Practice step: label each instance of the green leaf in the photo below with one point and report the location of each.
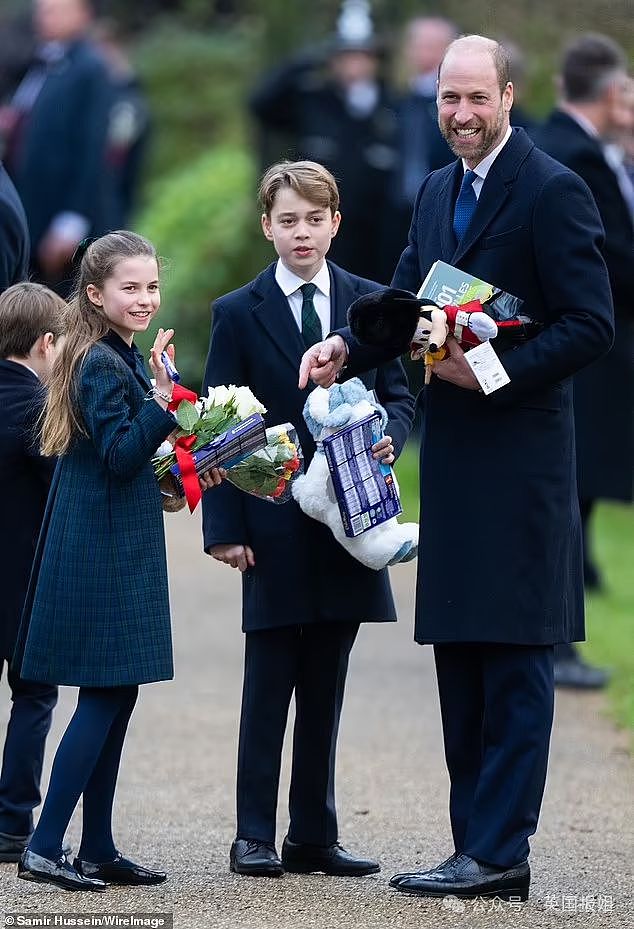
(187, 416)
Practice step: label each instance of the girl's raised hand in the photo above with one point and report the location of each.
(162, 343)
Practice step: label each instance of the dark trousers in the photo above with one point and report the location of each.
(496, 704)
(28, 726)
(312, 662)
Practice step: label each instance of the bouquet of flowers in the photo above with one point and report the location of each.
(269, 472)
(225, 429)
(213, 431)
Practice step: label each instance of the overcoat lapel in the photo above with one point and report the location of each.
(343, 291)
(272, 312)
(495, 190)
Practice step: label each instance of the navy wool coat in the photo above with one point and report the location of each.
(25, 476)
(14, 235)
(97, 611)
(604, 391)
(301, 573)
(500, 554)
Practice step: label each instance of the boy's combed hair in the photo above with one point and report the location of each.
(27, 312)
(309, 179)
(86, 324)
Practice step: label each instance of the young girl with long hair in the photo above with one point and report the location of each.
(97, 612)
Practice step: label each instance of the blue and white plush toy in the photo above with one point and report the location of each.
(325, 412)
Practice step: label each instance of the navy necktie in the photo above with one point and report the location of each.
(311, 326)
(465, 204)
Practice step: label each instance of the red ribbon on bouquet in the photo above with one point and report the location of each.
(179, 394)
(189, 477)
(182, 450)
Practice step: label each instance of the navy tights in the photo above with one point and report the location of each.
(87, 762)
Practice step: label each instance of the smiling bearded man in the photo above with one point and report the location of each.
(507, 213)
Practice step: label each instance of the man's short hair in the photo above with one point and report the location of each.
(28, 311)
(309, 179)
(590, 63)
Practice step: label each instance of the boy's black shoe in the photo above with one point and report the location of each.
(331, 859)
(462, 876)
(119, 871)
(12, 846)
(255, 858)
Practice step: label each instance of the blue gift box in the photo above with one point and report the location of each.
(227, 449)
(365, 489)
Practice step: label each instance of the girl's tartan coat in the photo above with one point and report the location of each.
(97, 610)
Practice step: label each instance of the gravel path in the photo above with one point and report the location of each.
(175, 804)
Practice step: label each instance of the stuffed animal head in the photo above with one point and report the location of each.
(387, 318)
(328, 410)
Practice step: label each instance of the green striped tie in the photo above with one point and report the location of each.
(311, 326)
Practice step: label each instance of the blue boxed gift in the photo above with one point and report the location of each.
(365, 489)
(227, 449)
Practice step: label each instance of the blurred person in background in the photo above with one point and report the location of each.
(128, 125)
(332, 107)
(422, 147)
(592, 114)
(14, 235)
(56, 138)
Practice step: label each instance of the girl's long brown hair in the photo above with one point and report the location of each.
(86, 324)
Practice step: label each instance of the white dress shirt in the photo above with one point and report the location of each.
(289, 283)
(482, 169)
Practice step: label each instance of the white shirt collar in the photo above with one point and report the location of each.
(582, 121)
(289, 282)
(482, 169)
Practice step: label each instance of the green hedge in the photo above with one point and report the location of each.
(204, 222)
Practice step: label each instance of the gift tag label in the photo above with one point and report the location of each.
(487, 367)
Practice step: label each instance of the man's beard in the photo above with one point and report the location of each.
(488, 138)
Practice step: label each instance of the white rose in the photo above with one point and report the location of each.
(222, 395)
(247, 403)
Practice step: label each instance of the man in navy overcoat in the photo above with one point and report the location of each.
(57, 147)
(594, 79)
(499, 569)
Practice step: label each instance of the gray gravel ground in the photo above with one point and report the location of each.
(175, 802)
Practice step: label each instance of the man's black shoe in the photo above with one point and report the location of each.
(255, 858)
(60, 872)
(331, 859)
(465, 877)
(397, 878)
(119, 871)
(576, 674)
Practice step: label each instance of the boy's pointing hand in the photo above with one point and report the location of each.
(322, 362)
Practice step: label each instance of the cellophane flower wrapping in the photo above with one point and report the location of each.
(203, 422)
(269, 472)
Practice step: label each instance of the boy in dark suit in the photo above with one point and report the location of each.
(293, 642)
(31, 323)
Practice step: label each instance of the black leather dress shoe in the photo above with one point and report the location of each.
(576, 674)
(331, 859)
(60, 872)
(12, 846)
(255, 858)
(397, 878)
(465, 877)
(119, 871)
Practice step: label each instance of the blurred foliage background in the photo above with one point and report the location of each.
(198, 59)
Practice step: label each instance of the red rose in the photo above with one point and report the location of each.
(293, 464)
